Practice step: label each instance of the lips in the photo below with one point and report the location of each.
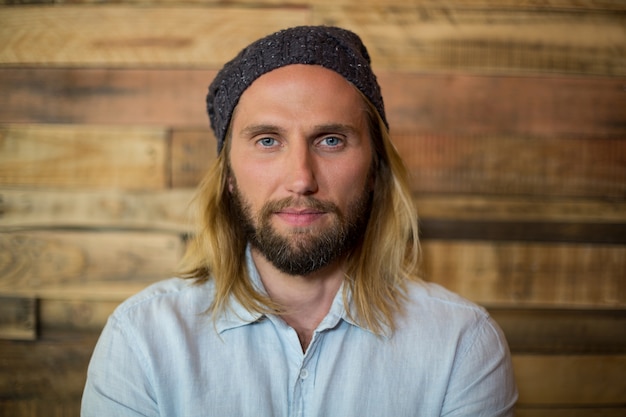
(299, 217)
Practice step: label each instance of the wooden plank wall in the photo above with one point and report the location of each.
(511, 116)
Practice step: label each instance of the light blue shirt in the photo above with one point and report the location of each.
(160, 354)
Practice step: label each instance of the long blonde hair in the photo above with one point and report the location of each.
(377, 270)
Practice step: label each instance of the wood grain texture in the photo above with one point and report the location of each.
(617, 411)
(532, 5)
(529, 274)
(462, 104)
(537, 331)
(515, 166)
(121, 35)
(413, 38)
(161, 210)
(478, 105)
(563, 331)
(54, 369)
(410, 38)
(33, 261)
(83, 156)
(193, 153)
(105, 96)
(18, 318)
(575, 380)
(442, 216)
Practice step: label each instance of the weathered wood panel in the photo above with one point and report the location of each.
(556, 411)
(563, 331)
(121, 35)
(527, 330)
(413, 38)
(193, 153)
(567, 5)
(523, 209)
(163, 210)
(477, 105)
(54, 369)
(105, 96)
(442, 216)
(91, 265)
(83, 156)
(18, 318)
(575, 380)
(452, 104)
(400, 37)
(529, 274)
(563, 232)
(515, 166)
(34, 261)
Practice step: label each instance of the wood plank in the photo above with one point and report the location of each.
(127, 36)
(477, 105)
(163, 210)
(529, 274)
(18, 318)
(568, 5)
(76, 315)
(42, 408)
(617, 411)
(401, 37)
(528, 330)
(493, 40)
(563, 331)
(568, 381)
(515, 165)
(36, 260)
(505, 231)
(543, 380)
(105, 96)
(83, 156)
(193, 153)
(457, 217)
(478, 207)
(450, 105)
(53, 368)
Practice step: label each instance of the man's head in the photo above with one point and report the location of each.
(300, 167)
(305, 163)
(331, 47)
(303, 204)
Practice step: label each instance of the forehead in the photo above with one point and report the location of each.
(301, 92)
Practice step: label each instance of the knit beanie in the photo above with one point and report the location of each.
(334, 48)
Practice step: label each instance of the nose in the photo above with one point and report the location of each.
(300, 174)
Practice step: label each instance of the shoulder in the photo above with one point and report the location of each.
(160, 298)
(433, 307)
(434, 297)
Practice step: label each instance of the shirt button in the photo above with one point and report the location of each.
(304, 374)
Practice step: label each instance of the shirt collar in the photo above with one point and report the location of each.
(237, 315)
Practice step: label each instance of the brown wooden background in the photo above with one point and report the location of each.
(511, 116)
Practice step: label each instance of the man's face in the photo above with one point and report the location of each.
(300, 162)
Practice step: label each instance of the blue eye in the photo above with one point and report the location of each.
(331, 141)
(266, 142)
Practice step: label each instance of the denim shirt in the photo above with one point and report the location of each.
(160, 354)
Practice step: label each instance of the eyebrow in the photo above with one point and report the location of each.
(254, 130)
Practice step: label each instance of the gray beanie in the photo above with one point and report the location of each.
(331, 47)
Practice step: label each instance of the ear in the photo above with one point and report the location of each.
(229, 183)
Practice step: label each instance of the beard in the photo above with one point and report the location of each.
(303, 250)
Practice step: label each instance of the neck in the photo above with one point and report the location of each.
(306, 299)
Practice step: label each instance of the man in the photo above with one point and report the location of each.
(302, 296)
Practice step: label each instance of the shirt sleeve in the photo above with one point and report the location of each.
(118, 382)
(482, 383)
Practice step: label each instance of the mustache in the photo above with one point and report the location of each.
(300, 202)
